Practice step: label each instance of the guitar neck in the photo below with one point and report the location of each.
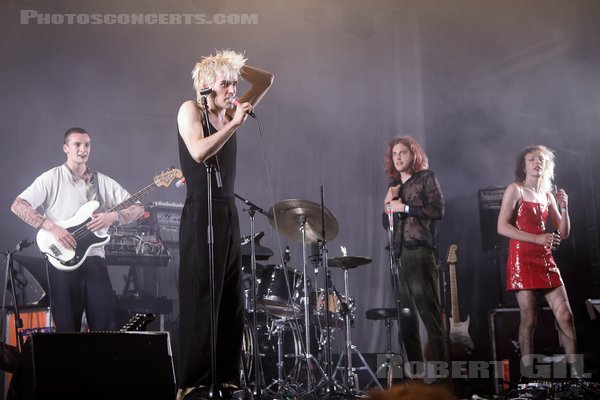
(453, 292)
(134, 198)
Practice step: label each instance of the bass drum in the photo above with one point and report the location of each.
(269, 332)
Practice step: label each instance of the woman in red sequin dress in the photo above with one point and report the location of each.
(528, 204)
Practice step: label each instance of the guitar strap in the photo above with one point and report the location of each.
(97, 190)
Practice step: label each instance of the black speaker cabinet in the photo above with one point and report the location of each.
(110, 365)
(504, 335)
(490, 200)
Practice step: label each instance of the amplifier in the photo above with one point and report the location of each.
(490, 200)
(504, 336)
(98, 365)
(163, 219)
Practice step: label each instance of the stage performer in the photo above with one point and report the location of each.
(415, 198)
(531, 271)
(216, 77)
(60, 192)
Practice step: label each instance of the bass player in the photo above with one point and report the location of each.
(59, 193)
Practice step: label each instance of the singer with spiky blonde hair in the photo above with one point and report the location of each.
(207, 129)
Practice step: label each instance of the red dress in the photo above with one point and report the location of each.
(530, 265)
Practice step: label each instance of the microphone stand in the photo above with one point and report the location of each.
(9, 270)
(212, 165)
(395, 270)
(255, 351)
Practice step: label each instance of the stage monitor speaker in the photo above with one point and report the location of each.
(108, 365)
(490, 200)
(504, 337)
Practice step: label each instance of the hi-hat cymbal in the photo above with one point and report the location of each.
(286, 216)
(348, 262)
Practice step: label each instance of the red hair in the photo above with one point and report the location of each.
(420, 161)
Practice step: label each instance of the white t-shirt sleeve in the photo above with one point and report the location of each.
(38, 192)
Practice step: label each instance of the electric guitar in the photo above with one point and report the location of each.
(459, 331)
(138, 322)
(67, 259)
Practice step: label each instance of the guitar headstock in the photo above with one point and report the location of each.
(167, 177)
(451, 259)
(138, 322)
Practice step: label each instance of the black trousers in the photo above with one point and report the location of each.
(420, 293)
(194, 293)
(88, 288)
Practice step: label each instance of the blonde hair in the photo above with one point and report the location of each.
(227, 61)
(547, 174)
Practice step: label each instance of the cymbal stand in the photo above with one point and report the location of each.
(309, 358)
(278, 331)
(330, 384)
(311, 362)
(258, 377)
(351, 377)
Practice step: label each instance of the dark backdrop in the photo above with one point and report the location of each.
(473, 81)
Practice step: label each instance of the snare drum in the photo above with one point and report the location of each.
(280, 292)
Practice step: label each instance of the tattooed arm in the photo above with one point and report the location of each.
(24, 211)
(27, 213)
(121, 217)
(130, 213)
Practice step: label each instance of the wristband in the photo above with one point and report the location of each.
(563, 209)
(406, 208)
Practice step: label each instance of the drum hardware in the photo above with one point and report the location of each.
(280, 350)
(300, 220)
(388, 315)
(331, 303)
(251, 210)
(262, 253)
(351, 378)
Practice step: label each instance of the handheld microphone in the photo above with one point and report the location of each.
(390, 213)
(180, 183)
(235, 103)
(555, 246)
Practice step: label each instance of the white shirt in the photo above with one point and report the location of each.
(59, 194)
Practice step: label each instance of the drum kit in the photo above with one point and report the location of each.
(290, 320)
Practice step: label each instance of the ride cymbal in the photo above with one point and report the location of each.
(286, 217)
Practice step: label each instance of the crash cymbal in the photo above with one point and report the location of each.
(285, 216)
(348, 261)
